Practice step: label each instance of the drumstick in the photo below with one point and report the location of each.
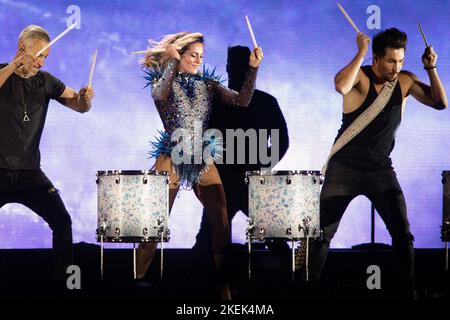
(62, 34)
(348, 18)
(140, 52)
(251, 32)
(423, 35)
(91, 73)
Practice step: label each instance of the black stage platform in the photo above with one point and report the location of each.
(187, 276)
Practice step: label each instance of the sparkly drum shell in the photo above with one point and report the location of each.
(132, 202)
(280, 202)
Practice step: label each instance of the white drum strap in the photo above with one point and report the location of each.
(363, 120)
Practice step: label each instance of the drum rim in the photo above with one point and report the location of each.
(131, 239)
(283, 173)
(131, 173)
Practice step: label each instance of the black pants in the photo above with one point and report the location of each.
(342, 184)
(34, 190)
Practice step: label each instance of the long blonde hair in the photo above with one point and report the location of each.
(156, 56)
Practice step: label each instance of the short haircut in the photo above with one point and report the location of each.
(389, 38)
(238, 57)
(34, 32)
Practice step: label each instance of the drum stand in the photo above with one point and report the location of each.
(134, 261)
(248, 233)
(101, 232)
(249, 264)
(161, 233)
(161, 267)
(101, 257)
(293, 261)
(302, 242)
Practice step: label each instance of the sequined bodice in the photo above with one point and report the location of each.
(184, 100)
(188, 102)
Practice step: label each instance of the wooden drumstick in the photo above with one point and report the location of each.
(423, 35)
(251, 32)
(62, 34)
(348, 18)
(91, 73)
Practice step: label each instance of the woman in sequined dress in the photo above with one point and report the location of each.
(183, 98)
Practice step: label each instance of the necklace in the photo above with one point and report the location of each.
(22, 75)
(25, 118)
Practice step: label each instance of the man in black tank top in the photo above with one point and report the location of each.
(25, 93)
(363, 165)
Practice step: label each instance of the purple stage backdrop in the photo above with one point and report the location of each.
(305, 44)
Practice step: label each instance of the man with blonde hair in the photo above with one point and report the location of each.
(25, 93)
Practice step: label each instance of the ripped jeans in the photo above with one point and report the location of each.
(34, 190)
(342, 184)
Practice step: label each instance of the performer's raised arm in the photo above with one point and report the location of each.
(21, 59)
(161, 89)
(434, 95)
(243, 97)
(349, 76)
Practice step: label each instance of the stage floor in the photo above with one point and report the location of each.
(188, 277)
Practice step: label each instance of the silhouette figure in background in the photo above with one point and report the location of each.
(263, 112)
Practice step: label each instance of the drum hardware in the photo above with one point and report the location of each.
(102, 226)
(262, 233)
(117, 235)
(160, 228)
(145, 179)
(145, 234)
(101, 230)
(306, 226)
(249, 235)
(289, 234)
(134, 261)
(250, 228)
(292, 259)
